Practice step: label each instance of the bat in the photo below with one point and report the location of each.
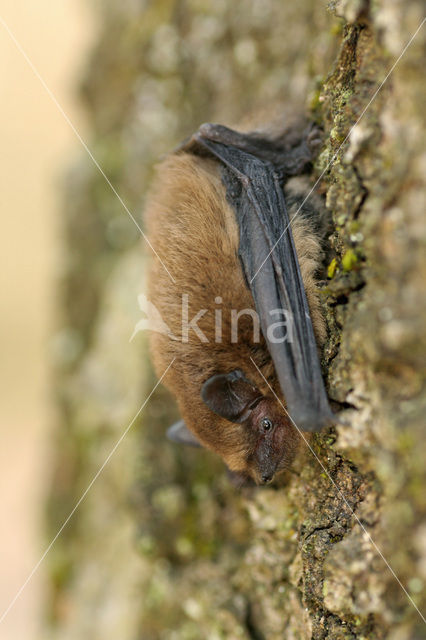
(226, 214)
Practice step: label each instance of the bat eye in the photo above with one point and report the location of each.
(266, 425)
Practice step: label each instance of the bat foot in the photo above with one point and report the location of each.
(314, 140)
(298, 160)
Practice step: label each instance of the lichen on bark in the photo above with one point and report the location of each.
(163, 546)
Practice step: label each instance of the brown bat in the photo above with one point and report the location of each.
(243, 307)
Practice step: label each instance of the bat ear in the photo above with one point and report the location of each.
(240, 480)
(231, 395)
(180, 433)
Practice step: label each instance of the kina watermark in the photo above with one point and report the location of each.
(223, 324)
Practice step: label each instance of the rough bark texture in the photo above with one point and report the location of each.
(162, 547)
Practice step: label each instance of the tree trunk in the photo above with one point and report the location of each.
(163, 547)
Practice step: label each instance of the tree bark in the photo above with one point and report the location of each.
(163, 547)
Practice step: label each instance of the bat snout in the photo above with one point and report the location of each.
(267, 464)
(267, 477)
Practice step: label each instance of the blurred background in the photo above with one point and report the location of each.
(37, 143)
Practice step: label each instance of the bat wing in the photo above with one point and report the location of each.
(272, 271)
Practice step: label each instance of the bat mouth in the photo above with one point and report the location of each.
(263, 479)
(267, 473)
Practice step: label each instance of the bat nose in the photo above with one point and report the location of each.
(267, 477)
